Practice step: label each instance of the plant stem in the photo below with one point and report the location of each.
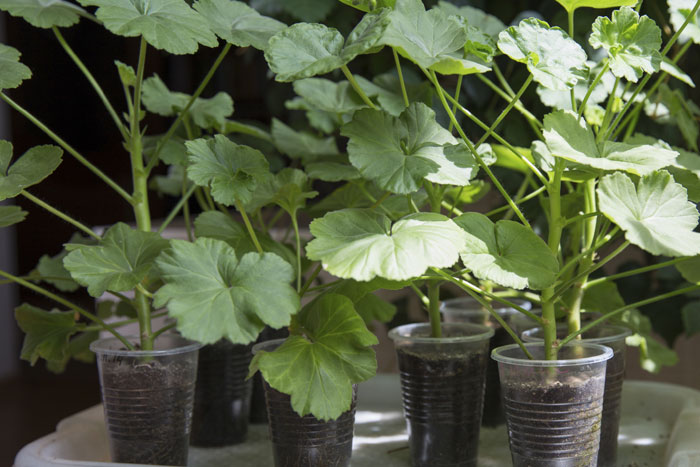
(67, 147)
(310, 280)
(60, 215)
(518, 106)
(249, 226)
(401, 81)
(176, 209)
(91, 79)
(505, 112)
(593, 85)
(357, 88)
(68, 304)
(434, 308)
(295, 224)
(423, 298)
(575, 260)
(634, 272)
(164, 329)
(525, 198)
(119, 324)
(456, 98)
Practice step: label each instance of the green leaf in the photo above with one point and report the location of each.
(602, 298)
(507, 253)
(289, 189)
(398, 153)
(432, 39)
(217, 225)
(171, 183)
(12, 72)
(237, 23)
(489, 24)
(214, 294)
(672, 69)
(554, 59)
(369, 5)
(562, 99)
(691, 317)
(690, 269)
(127, 75)
(369, 306)
(10, 215)
(121, 260)
(679, 10)
(652, 354)
(683, 112)
(231, 170)
(386, 88)
(329, 96)
(205, 112)
(655, 214)
(572, 5)
(52, 270)
(319, 368)
(31, 168)
(330, 171)
(78, 349)
(301, 145)
(361, 244)
(631, 42)
(43, 13)
(573, 140)
(169, 25)
(47, 333)
(366, 36)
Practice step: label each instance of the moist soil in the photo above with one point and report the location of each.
(443, 400)
(222, 395)
(148, 409)
(543, 434)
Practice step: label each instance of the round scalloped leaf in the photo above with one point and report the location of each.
(31, 168)
(47, 333)
(237, 23)
(329, 96)
(319, 368)
(214, 294)
(486, 23)
(655, 214)
(169, 25)
(10, 215)
(44, 13)
(572, 5)
(361, 244)
(398, 153)
(554, 59)
(679, 11)
(12, 72)
(631, 42)
(507, 253)
(366, 36)
(369, 5)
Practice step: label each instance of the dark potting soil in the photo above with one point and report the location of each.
(442, 399)
(222, 395)
(306, 441)
(148, 408)
(555, 426)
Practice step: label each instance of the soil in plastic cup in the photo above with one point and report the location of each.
(553, 407)
(147, 397)
(468, 310)
(613, 337)
(222, 395)
(442, 384)
(306, 441)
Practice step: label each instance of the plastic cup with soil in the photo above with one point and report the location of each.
(468, 310)
(442, 384)
(222, 395)
(258, 407)
(306, 441)
(148, 397)
(553, 407)
(613, 337)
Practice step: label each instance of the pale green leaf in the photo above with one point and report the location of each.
(562, 99)
(288, 189)
(632, 43)
(368, 305)
(214, 294)
(231, 170)
(169, 25)
(78, 349)
(330, 171)
(691, 317)
(684, 112)
(44, 13)
(554, 59)
(679, 10)
(690, 269)
(602, 298)
(301, 145)
(319, 368)
(31, 168)
(329, 96)
(366, 36)
(12, 72)
(475, 17)
(47, 333)
(361, 244)
(398, 153)
(572, 5)
(655, 214)
(573, 140)
(127, 75)
(507, 253)
(652, 354)
(674, 70)
(369, 5)
(237, 23)
(120, 261)
(387, 89)
(10, 215)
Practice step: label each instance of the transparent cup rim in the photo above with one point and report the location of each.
(460, 305)
(620, 333)
(606, 353)
(100, 347)
(262, 346)
(404, 333)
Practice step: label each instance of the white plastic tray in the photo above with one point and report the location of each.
(660, 427)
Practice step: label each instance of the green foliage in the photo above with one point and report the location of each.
(690, 269)
(10, 215)
(44, 14)
(301, 145)
(52, 270)
(329, 96)
(213, 293)
(169, 25)
(679, 10)
(572, 5)
(369, 5)
(47, 333)
(486, 23)
(319, 367)
(31, 168)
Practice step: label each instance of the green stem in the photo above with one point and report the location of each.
(518, 106)
(60, 215)
(634, 272)
(353, 82)
(249, 226)
(310, 280)
(505, 112)
(164, 329)
(528, 197)
(593, 85)
(66, 303)
(67, 147)
(180, 204)
(519, 194)
(434, 308)
(576, 259)
(397, 61)
(423, 298)
(91, 79)
(456, 98)
(119, 324)
(175, 125)
(295, 224)
(608, 111)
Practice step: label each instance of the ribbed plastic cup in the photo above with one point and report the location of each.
(258, 406)
(147, 397)
(553, 407)
(222, 395)
(613, 337)
(306, 441)
(468, 310)
(442, 384)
